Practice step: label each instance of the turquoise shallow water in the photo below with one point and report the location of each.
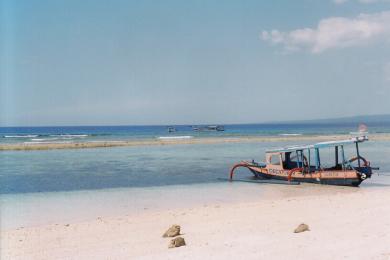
(31, 209)
(143, 166)
(59, 186)
(39, 187)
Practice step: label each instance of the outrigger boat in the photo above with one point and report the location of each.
(303, 164)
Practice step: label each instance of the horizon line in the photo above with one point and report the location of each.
(301, 121)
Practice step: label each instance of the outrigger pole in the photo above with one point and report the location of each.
(240, 164)
(357, 153)
(248, 165)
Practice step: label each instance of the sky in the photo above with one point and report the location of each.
(168, 62)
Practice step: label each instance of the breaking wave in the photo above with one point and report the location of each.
(20, 136)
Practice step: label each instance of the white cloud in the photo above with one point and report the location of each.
(334, 32)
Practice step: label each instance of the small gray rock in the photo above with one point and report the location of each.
(302, 228)
(177, 242)
(173, 231)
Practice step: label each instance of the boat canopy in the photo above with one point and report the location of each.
(358, 139)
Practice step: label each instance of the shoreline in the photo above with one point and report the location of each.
(202, 140)
(145, 198)
(342, 223)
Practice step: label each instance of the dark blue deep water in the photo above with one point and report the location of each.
(96, 133)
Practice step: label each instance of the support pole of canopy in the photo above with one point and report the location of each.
(318, 162)
(343, 156)
(357, 153)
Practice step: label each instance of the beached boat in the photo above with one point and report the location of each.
(303, 164)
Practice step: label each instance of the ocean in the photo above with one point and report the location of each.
(144, 166)
(120, 133)
(38, 177)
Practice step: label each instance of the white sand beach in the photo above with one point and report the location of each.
(345, 223)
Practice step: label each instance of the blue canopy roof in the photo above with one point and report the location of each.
(353, 140)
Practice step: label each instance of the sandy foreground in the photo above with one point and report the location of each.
(204, 140)
(343, 225)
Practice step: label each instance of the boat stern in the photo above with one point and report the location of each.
(365, 172)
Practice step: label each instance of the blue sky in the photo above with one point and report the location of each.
(189, 62)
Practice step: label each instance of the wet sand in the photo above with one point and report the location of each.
(203, 140)
(345, 223)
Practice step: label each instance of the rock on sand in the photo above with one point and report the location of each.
(302, 228)
(177, 242)
(173, 231)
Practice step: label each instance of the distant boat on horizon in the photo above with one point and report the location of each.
(171, 129)
(209, 128)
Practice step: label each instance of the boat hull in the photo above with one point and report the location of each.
(326, 181)
(350, 177)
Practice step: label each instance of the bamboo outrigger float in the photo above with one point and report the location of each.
(303, 164)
